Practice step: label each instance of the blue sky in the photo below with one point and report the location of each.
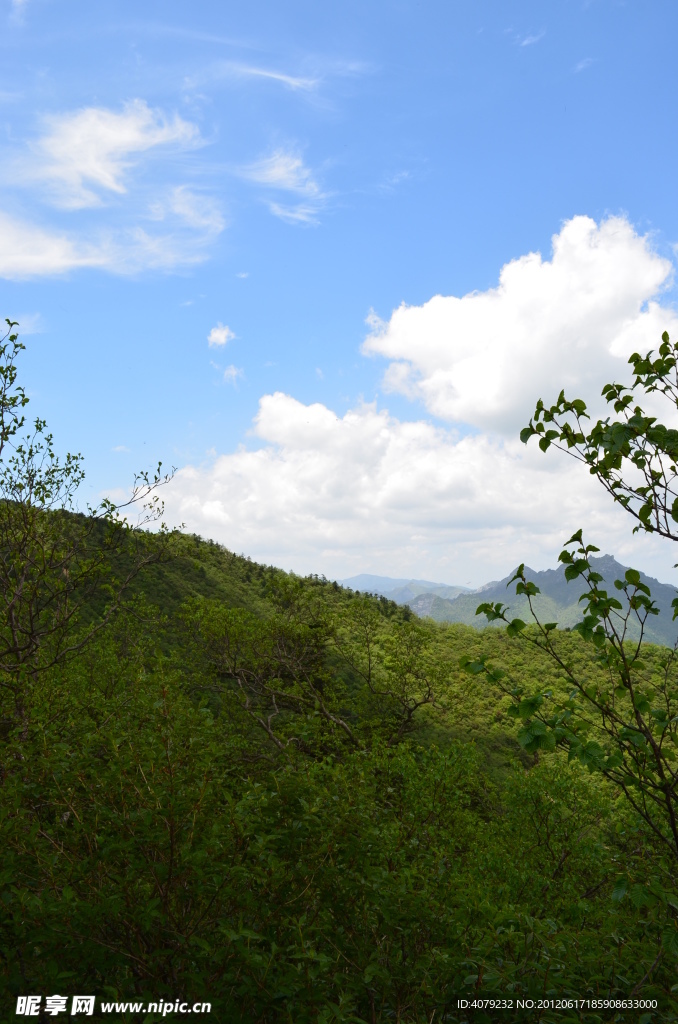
(280, 178)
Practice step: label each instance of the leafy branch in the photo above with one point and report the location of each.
(633, 456)
(620, 725)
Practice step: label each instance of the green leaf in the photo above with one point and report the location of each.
(620, 889)
(670, 940)
(529, 705)
(641, 896)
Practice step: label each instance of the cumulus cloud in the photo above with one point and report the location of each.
(369, 492)
(571, 321)
(87, 152)
(335, 494)
(220, 336)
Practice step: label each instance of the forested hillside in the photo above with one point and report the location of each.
(273, 794)
(225, 783)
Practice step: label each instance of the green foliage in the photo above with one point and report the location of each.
(621, 723)
(634, 457)
(354, 887)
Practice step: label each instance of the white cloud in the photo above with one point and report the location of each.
(583, 65)
(84, 157)
(484, 358)
(30, 323)
(220, 336)
(232, 374)
(85, 153)
(302, 213)
(366, 491)
(369, 492)
(232, 69)
(531, 40)
(285, 171)
(196, 210)
(29, 250)
(391, 181)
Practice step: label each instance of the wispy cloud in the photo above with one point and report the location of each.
(30, 323)
(87, 153)
(228, 69)
(31, 250)
(285, 171)
(300, 214)
(83, 160)
(232, 374)
(196, 210)
(391, 182)
(220, 336)
(582, 65)
(17, 10)
(28, 250)
(532, 39)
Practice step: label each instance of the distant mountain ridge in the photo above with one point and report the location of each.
(402, 591)
(558, 600)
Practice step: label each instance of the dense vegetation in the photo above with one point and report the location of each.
(303, 804)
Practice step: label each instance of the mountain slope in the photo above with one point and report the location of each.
(558, 600)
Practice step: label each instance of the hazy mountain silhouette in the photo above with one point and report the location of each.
(558, 600)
